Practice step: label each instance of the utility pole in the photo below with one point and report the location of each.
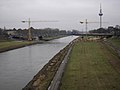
(86, 22)
(29, 24)
(100, 14)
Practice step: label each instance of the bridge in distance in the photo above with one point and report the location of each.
(93, 34)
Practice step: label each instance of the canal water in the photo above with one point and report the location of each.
(17, 67)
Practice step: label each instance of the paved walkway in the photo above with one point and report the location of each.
(57, 78)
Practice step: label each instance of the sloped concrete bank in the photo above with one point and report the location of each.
(42, 80)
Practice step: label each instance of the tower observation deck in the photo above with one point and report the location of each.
(100, 14)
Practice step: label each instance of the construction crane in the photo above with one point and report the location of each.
(86, 24)
(29, 24)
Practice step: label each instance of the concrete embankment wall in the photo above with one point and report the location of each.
(43, 78)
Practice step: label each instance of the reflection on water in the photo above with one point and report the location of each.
(17, 67)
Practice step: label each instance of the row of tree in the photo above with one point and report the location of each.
(112, 30)
(36, 33)
(3, 35)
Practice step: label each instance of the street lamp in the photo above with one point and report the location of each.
(86, 22)
(29, 30)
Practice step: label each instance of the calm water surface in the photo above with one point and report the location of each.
(17, 67)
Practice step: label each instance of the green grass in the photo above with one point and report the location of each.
(91, 67)
(6, 45)
(115, 41)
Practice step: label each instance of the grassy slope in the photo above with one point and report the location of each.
(115, 41)
(12, 44)
(91, 67)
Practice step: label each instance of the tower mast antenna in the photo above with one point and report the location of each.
(100, 14)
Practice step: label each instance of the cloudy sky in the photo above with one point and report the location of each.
(67, 12)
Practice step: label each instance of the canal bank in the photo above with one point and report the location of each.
(18, 66)
(92, 66)
(49, 76)
(113, 45)
(10, 45)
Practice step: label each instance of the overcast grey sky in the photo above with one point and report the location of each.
(68, 12)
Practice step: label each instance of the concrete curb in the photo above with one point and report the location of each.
(55, 83)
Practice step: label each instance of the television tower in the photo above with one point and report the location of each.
(100, 14)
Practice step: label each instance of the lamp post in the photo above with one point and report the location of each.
(86, 22)
(29, 31)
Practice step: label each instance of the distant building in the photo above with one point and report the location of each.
(3, 35)
(75, 32)
(111, 29)
(117, 27)
(117, 31)
(63, 32)
(11, 32)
